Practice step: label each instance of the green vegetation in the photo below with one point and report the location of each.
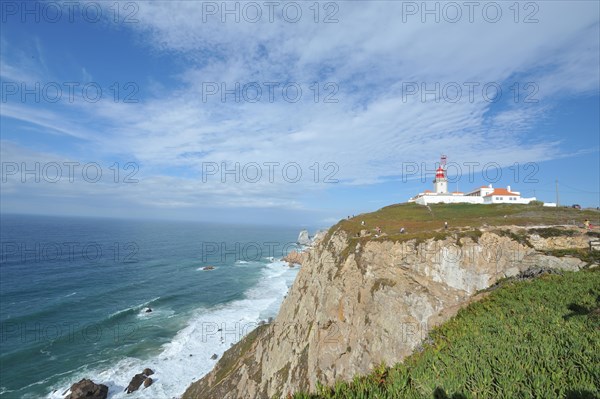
(529, 339)
(518, 236)
(548, 232)
(420, 222)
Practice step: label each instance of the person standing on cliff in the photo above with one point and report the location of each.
(446, 225)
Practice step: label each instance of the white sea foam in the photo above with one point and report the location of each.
(174, 368)
(157, 313)
(132, 308)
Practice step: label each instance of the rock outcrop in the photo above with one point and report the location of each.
(135, 383)
(303, 238)
(319, 235)
(358, 302)
(139, 379)
(87, 389)
(294, 257)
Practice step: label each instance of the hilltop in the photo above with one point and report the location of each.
(418, 219)
(365, 297)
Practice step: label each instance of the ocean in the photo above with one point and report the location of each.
(74, 295)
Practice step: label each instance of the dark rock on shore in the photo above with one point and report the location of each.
(139, 379)
(135, 383)
(87, 389)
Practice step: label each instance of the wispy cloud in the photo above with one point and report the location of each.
(374, 126)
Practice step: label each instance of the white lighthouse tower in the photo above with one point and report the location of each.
(440, 184)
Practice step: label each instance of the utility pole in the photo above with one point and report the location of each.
(557, 200)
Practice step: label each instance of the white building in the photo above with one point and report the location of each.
(482, 195)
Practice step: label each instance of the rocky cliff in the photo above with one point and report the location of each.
(360, 301)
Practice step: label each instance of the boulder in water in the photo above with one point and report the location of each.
(147, 382)
(208, 268)
(87, 389)
(214, 356)
(148, 310)
(147, 372)
(135, 383)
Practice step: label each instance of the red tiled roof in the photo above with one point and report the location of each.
(501, 191)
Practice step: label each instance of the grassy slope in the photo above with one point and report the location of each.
(531, 339)
(419, 220)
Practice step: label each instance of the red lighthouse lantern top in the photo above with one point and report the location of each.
(440, 173)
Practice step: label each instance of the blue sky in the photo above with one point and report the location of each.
(378, 83)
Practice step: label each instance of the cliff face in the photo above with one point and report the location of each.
(359, 302)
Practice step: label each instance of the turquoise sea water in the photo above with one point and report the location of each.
(74, 294)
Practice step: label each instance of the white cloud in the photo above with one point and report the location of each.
(371, 131)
